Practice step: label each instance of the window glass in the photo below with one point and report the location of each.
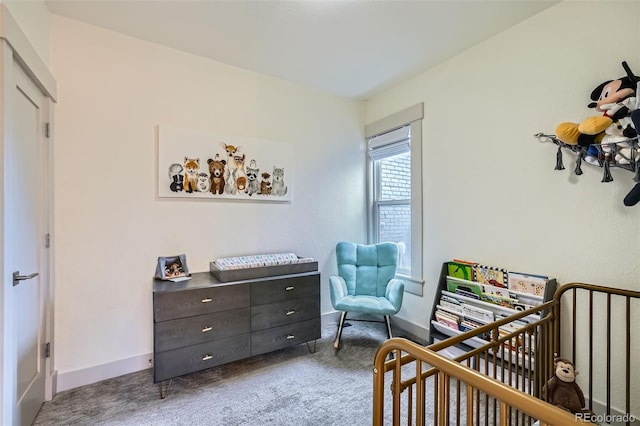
(395, 226)
(395, 177)
(390, 156)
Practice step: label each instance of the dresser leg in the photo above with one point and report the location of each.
(314, 346)
(163, 387)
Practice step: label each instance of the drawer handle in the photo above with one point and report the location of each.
(291, 336)
(207, 357)
(289, 288)
(204, 330)
(290, 312)
(207, 300)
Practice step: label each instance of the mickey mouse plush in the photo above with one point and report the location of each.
(615, 99)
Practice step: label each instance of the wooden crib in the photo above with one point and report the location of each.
(502, 381)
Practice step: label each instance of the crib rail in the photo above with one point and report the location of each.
(501, 382)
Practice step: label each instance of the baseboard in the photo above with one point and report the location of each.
(89, 375)
(412, 328)
(616, 417)
(332, 318)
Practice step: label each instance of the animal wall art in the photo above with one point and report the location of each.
(193, 164)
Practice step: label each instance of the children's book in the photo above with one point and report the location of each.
(460, 269)
(498, 291)
(499, 300)
(527, 283)
(477, 313)
(456, 311)
(490, 275)
(464, 287)
(447, 319)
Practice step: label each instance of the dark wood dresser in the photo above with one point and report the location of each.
(202, 322)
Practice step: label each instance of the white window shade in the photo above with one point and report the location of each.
(388, 144)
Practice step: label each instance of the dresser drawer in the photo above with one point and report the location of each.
(180, 304)
(188, 331)
(285, 312)
(189, 359)
(284, 336)
(263, 292)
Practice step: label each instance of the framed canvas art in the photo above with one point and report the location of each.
(196, 164)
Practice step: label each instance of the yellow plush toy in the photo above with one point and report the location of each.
(588, 132)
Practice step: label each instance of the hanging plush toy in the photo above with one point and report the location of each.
(633, 197)
(612, 134)
(614, 99)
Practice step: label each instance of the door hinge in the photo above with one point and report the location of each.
(47, 129)
(47, 350)
(47, 240)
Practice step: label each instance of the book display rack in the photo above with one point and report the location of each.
(470, 295)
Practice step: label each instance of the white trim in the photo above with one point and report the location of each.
(394, 121)
(97, 373)
(385, 130)
(7, 380)
(411, 328)
(50, 373)
(417, 207)
(50, 386)
(331, 318)
(26, 55)
(412, 285)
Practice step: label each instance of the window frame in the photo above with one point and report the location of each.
(411, 117)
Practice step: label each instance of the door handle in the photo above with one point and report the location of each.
(17, 277)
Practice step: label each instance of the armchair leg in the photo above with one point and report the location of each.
(388, 322)
(336, 342)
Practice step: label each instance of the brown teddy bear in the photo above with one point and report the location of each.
(216, 172)
(562, 390)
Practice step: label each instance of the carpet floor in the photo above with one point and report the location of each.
(287, 387)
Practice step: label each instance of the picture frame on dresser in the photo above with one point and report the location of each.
(172, 267)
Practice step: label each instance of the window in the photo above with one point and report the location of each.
(395, 193)
(390, 165)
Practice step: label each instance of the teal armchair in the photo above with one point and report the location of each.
(366, 282)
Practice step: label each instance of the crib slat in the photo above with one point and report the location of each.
(590, 349)
(504, 414)
(608, 353)
(628, 359)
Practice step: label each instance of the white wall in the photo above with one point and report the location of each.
(111, 227)
(491, 193)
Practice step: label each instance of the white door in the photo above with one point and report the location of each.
(25, 252)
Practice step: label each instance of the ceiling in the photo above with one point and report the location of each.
(351, 48)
